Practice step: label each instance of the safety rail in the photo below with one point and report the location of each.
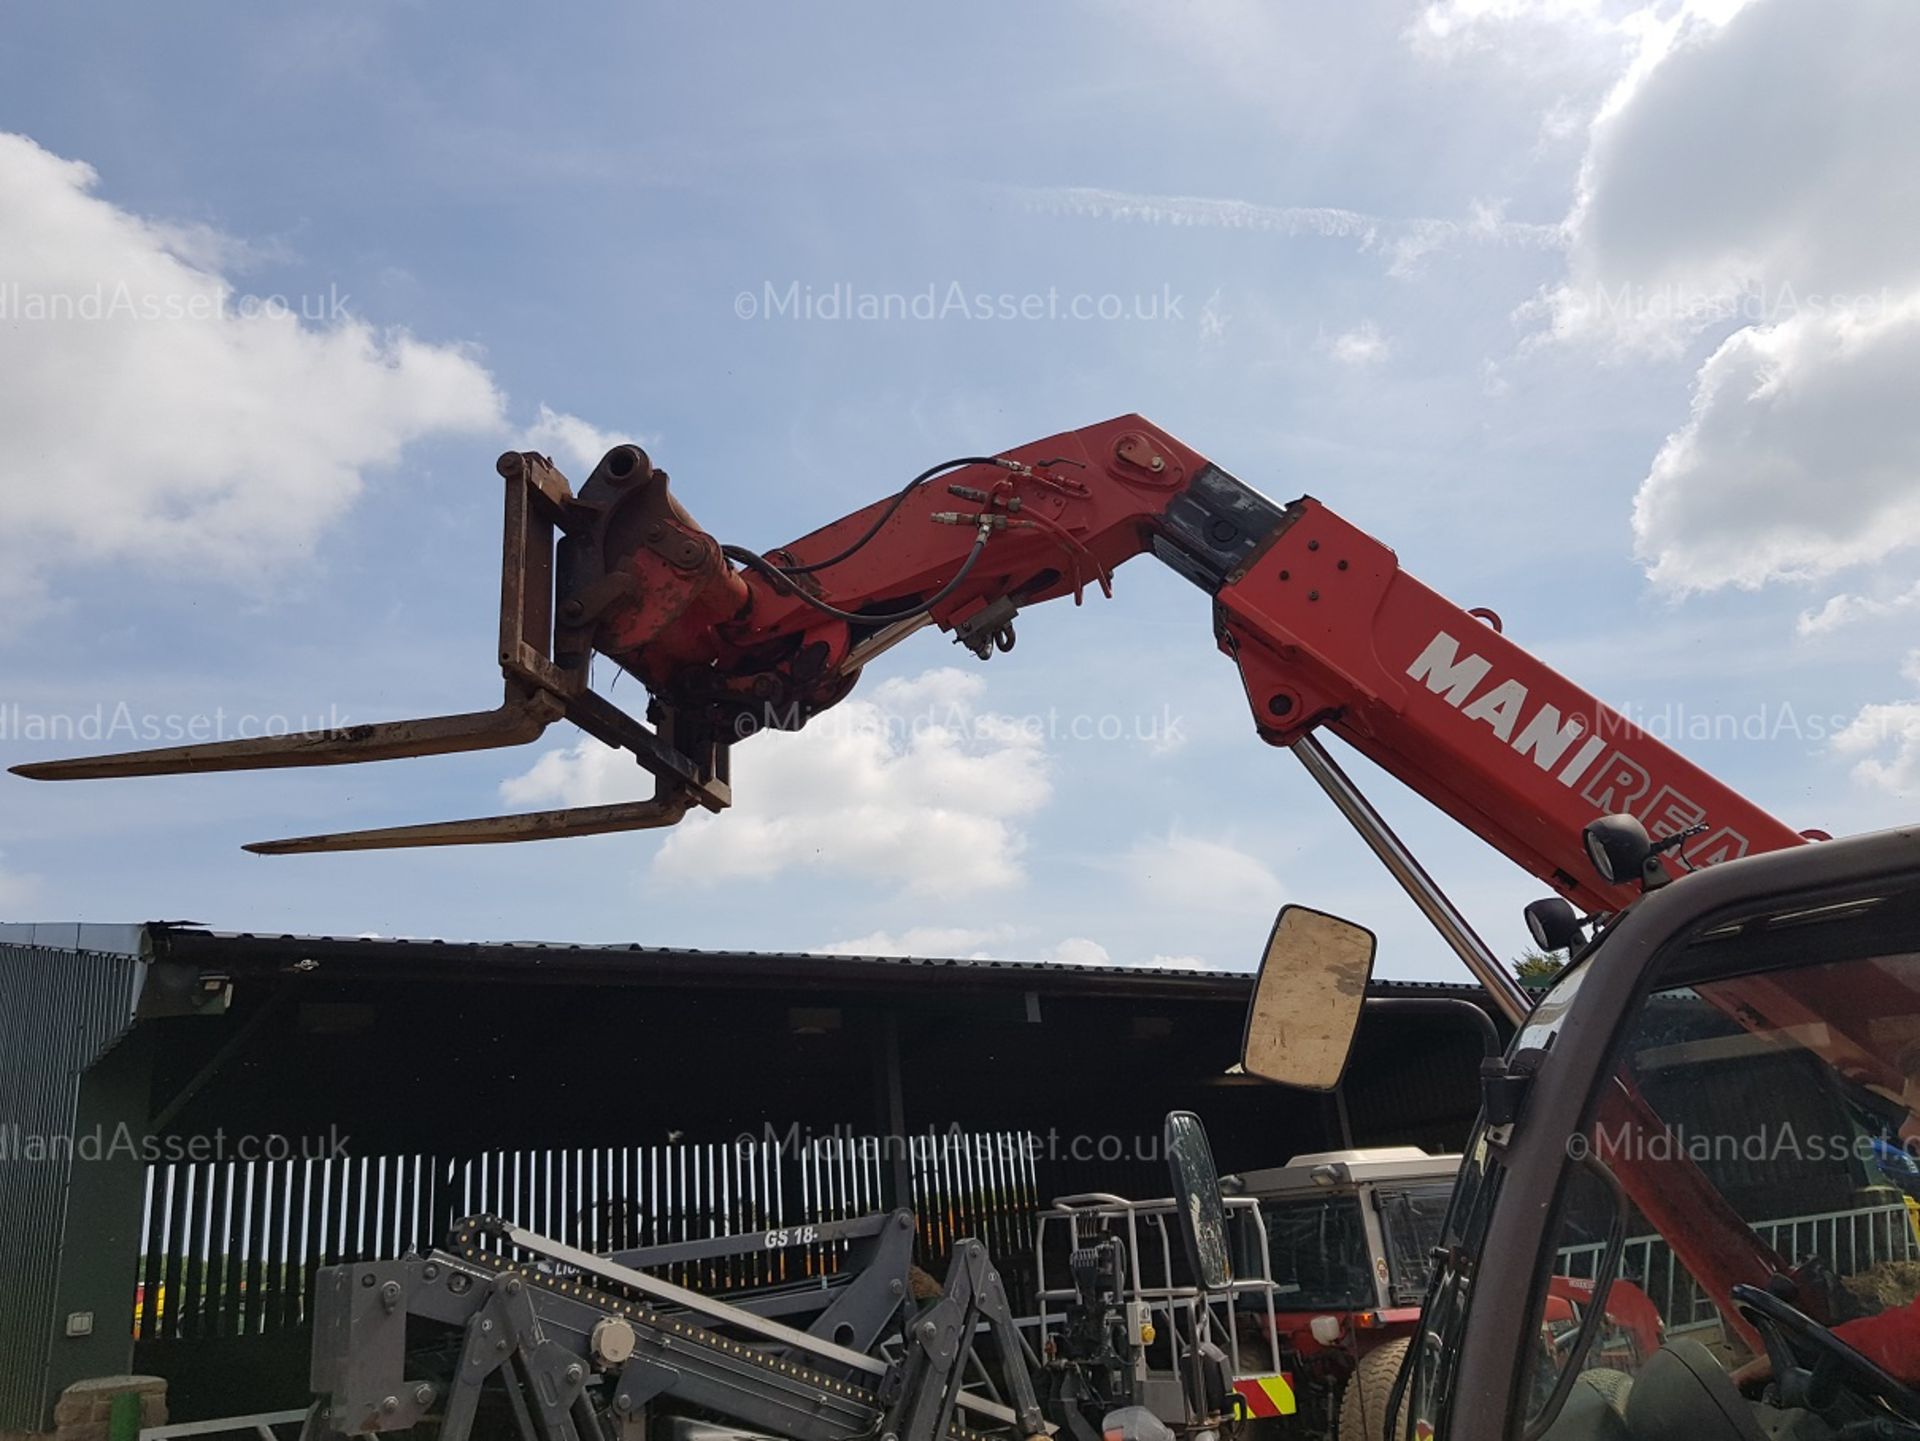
(1089, 1215)
(1849, 1242)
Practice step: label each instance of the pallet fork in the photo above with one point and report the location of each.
(546, 651)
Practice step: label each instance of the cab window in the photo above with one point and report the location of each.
(1758, 1132)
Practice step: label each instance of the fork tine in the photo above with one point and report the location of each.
(491, 830)
(513, 723)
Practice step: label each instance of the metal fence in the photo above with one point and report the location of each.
(1849, 1242)
(230, 1248)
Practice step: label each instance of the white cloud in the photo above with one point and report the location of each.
(585, 773)
(1180, 872)
(1801, 457)
(155, 416)
(1756, 174)
(1563, 57)
(1201, 213)
(1362, 346)
(573, 442)
(1745, 164)
(997, 943)
(1886, 737)
(1469, 22)
(1845, 610)
(17, 891)
(912, 783)
(1182, 963)
(1405, 242)
(1079, 951)
(940, 941)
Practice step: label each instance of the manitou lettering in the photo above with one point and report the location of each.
(1440, 666)
(1500, 708)
(1669, 811)
(1545, 739)
(1619, 783)
(1582, 758)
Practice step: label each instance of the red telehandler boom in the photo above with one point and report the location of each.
(1326, 629)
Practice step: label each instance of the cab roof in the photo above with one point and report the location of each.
(1322, 1170)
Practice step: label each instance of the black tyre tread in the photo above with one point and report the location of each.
(1363, 1410)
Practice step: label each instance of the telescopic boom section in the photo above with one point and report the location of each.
(1325, 627)
(963, 549)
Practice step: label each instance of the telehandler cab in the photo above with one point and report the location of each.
(1749, 1038)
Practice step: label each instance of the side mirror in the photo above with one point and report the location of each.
(1307, 1000)
(1196, 1199)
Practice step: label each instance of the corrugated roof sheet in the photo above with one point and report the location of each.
(640, 963)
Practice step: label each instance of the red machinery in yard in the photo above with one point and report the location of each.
(1349, 1239)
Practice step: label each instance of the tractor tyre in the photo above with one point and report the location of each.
(1363, 1410)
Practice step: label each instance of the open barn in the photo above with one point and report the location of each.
(199, 1119)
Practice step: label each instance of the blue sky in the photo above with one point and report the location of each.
(1600, 315)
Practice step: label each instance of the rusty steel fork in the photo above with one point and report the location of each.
(541, 688)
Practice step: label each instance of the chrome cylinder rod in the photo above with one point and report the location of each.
(1406, 869)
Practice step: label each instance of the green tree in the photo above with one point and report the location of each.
(1536, 968)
